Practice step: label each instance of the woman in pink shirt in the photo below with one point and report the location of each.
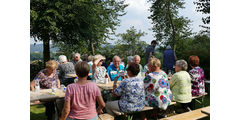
(81, 97)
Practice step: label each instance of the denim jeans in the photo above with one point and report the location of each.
(94, 118)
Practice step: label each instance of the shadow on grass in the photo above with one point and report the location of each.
(37, 112)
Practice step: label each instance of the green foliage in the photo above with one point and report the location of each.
(71, 22)
(167, 24)
(35, 67)
(203, 6)
(130, 44)
(198, 45)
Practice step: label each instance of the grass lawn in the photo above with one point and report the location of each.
(37, 112)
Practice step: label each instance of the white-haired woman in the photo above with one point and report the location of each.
(99, 72)
(129, 60)
(180, 85)
(65, 68)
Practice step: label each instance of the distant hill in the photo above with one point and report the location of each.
(39, 48)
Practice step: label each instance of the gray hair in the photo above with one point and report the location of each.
(76, 54)
(115, 57)
(183, 64)
(168, 47)
(62, 58)
(135, 56)
(90, 58)
(130, 58)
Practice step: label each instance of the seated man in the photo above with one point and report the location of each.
(131, 91)
(114, 69)
(76, 58)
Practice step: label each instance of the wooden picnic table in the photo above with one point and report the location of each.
(46, 95)
(206, 110)
(108, 86)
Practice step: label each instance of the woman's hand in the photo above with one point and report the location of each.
(99, 111)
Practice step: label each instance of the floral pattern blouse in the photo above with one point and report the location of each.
(46, 81)
(132, 94)
(198, 85)
(99, 74)
(157, 90)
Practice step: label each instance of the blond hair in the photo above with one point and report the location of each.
(154, 62)
(51, 64)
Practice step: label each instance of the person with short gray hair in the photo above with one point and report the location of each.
(129, 60)
(65, 69)
(76, 58)
(183, 64)
(115, 68)
(180, 85)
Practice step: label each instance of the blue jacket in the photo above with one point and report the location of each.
(168, 59)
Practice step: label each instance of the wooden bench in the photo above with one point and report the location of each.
(192, 115)
(105, 117)
(36, 103)
(172, 103)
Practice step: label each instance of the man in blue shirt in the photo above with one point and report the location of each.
(150, 49)
(169, 58)
(113, 70)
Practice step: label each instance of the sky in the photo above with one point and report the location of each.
(137, 16)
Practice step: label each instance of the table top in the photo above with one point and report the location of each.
(46, 94)
(206, 110)
(108, 86)
(71, 75)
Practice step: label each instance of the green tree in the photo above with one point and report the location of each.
(130, 43)
(198, 45)
(72, 21)
(167, 24)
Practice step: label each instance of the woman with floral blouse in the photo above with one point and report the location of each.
(46, 77)
(197, 75)
(99, 72)
(157, 87)
(131, 92)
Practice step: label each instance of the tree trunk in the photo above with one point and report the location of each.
(92, 47)
(172, 25)
(46, 50)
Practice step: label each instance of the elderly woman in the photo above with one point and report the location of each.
(129, 60)
(197, 75)
(81, 97)
(65, 68)
(131, 91)
(180, 85)
(99, 72)
(157, 88)
(46, 78)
